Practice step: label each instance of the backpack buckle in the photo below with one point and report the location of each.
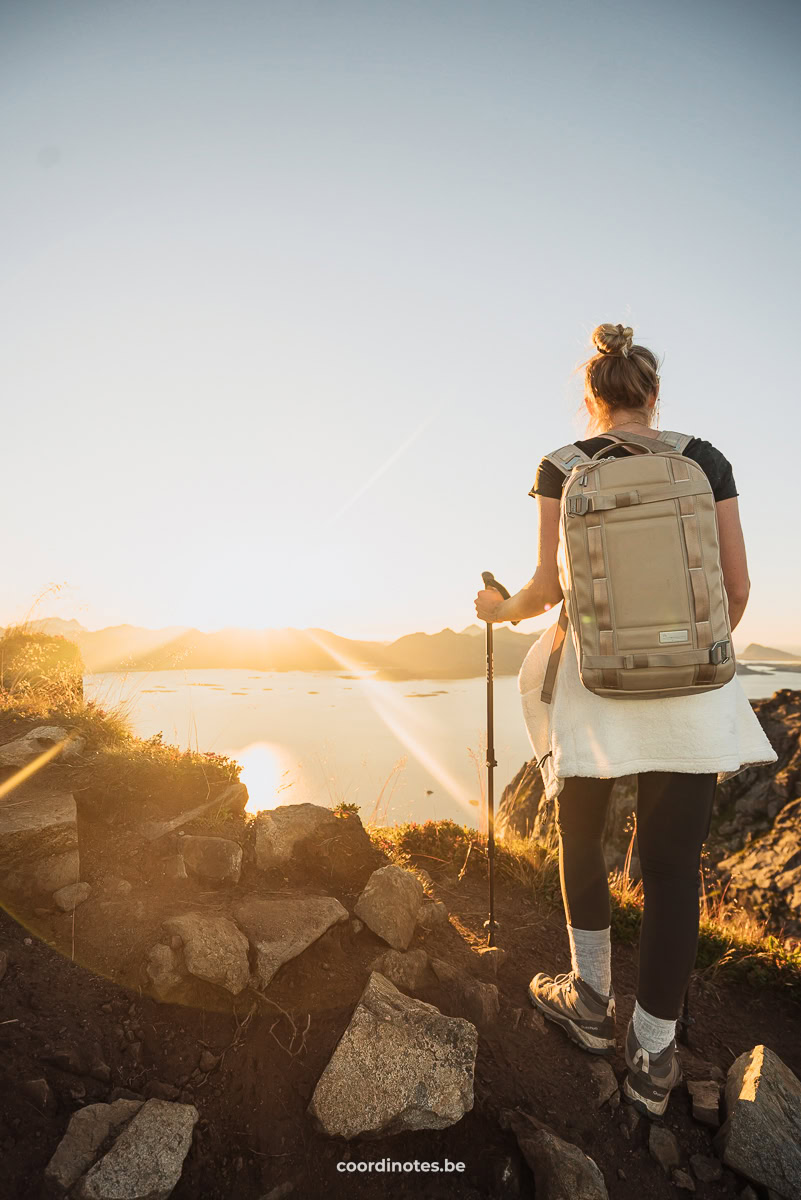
(577, 506)
(719, 652)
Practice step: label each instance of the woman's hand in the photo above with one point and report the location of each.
(490, 605)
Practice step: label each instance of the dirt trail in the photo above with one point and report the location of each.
(253, 1132)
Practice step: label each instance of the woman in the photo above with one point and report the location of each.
(677, 746)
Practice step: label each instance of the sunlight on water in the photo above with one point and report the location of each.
(264, 775)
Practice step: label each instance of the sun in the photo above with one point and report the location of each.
(265, 775)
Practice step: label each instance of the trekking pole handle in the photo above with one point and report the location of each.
(491, 582)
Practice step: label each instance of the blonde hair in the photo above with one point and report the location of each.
(621, 374)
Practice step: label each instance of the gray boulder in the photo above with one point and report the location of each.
(761, 1136)
(561, 1170)
(147, 1158)
(390, 903)
(400, 1065)
(87, 1131)
(280, 830)
(282, 929)
(214, 949)
(212, 859)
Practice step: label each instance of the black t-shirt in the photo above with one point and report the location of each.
(716, 467)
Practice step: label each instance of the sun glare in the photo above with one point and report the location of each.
(264, 774)
(389, 708)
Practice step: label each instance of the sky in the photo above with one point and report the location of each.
(293, 293)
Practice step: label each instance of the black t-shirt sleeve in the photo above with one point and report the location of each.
(716, 467)
(548, 481)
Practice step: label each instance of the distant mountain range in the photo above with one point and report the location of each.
(443, 655)
(756, 653)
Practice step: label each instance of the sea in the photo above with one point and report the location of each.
(401, 751)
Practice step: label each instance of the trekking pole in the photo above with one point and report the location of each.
(491, 924)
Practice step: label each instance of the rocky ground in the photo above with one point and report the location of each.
(213, 1006)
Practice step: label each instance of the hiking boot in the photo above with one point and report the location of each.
(587, 1017)
(651, 1077)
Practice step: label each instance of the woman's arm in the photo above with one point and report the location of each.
(732, 559)
(543, 590)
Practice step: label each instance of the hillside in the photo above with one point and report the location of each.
(755, 652)
(443, 655)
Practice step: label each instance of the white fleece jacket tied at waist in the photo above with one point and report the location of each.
(603, 738)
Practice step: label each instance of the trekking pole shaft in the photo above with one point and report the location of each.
(490, 791)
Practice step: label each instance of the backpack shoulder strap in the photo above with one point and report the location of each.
(678, 441)
(557, 646)
(566, 458)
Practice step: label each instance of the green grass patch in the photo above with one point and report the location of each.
(726, 951)
(144, 778)
(461, 850)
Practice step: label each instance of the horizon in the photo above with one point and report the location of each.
(466, 629)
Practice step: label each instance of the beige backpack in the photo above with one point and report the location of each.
(639, 565)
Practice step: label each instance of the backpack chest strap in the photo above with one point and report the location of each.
(717, 654)
(577, 506)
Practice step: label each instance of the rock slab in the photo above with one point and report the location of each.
(664, 1148)
(705, 1095)
(562, 1171)
(761, 1136)
(146, 1160)
(214, 949)
(38, 841)
(400, 1065)
(280, 830)
(213, 859)
(282, 929)
(87, 1131)
(390, 904)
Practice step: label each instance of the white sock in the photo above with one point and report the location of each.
(591, 957)
(652, 1033)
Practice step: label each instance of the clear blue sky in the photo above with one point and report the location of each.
(293, 292)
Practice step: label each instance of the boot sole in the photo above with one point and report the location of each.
(586, 1041)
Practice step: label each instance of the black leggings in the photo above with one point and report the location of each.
(674, 810)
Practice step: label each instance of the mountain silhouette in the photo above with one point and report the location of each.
(443, 655)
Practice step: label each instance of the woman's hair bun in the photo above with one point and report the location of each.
(613, 339)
